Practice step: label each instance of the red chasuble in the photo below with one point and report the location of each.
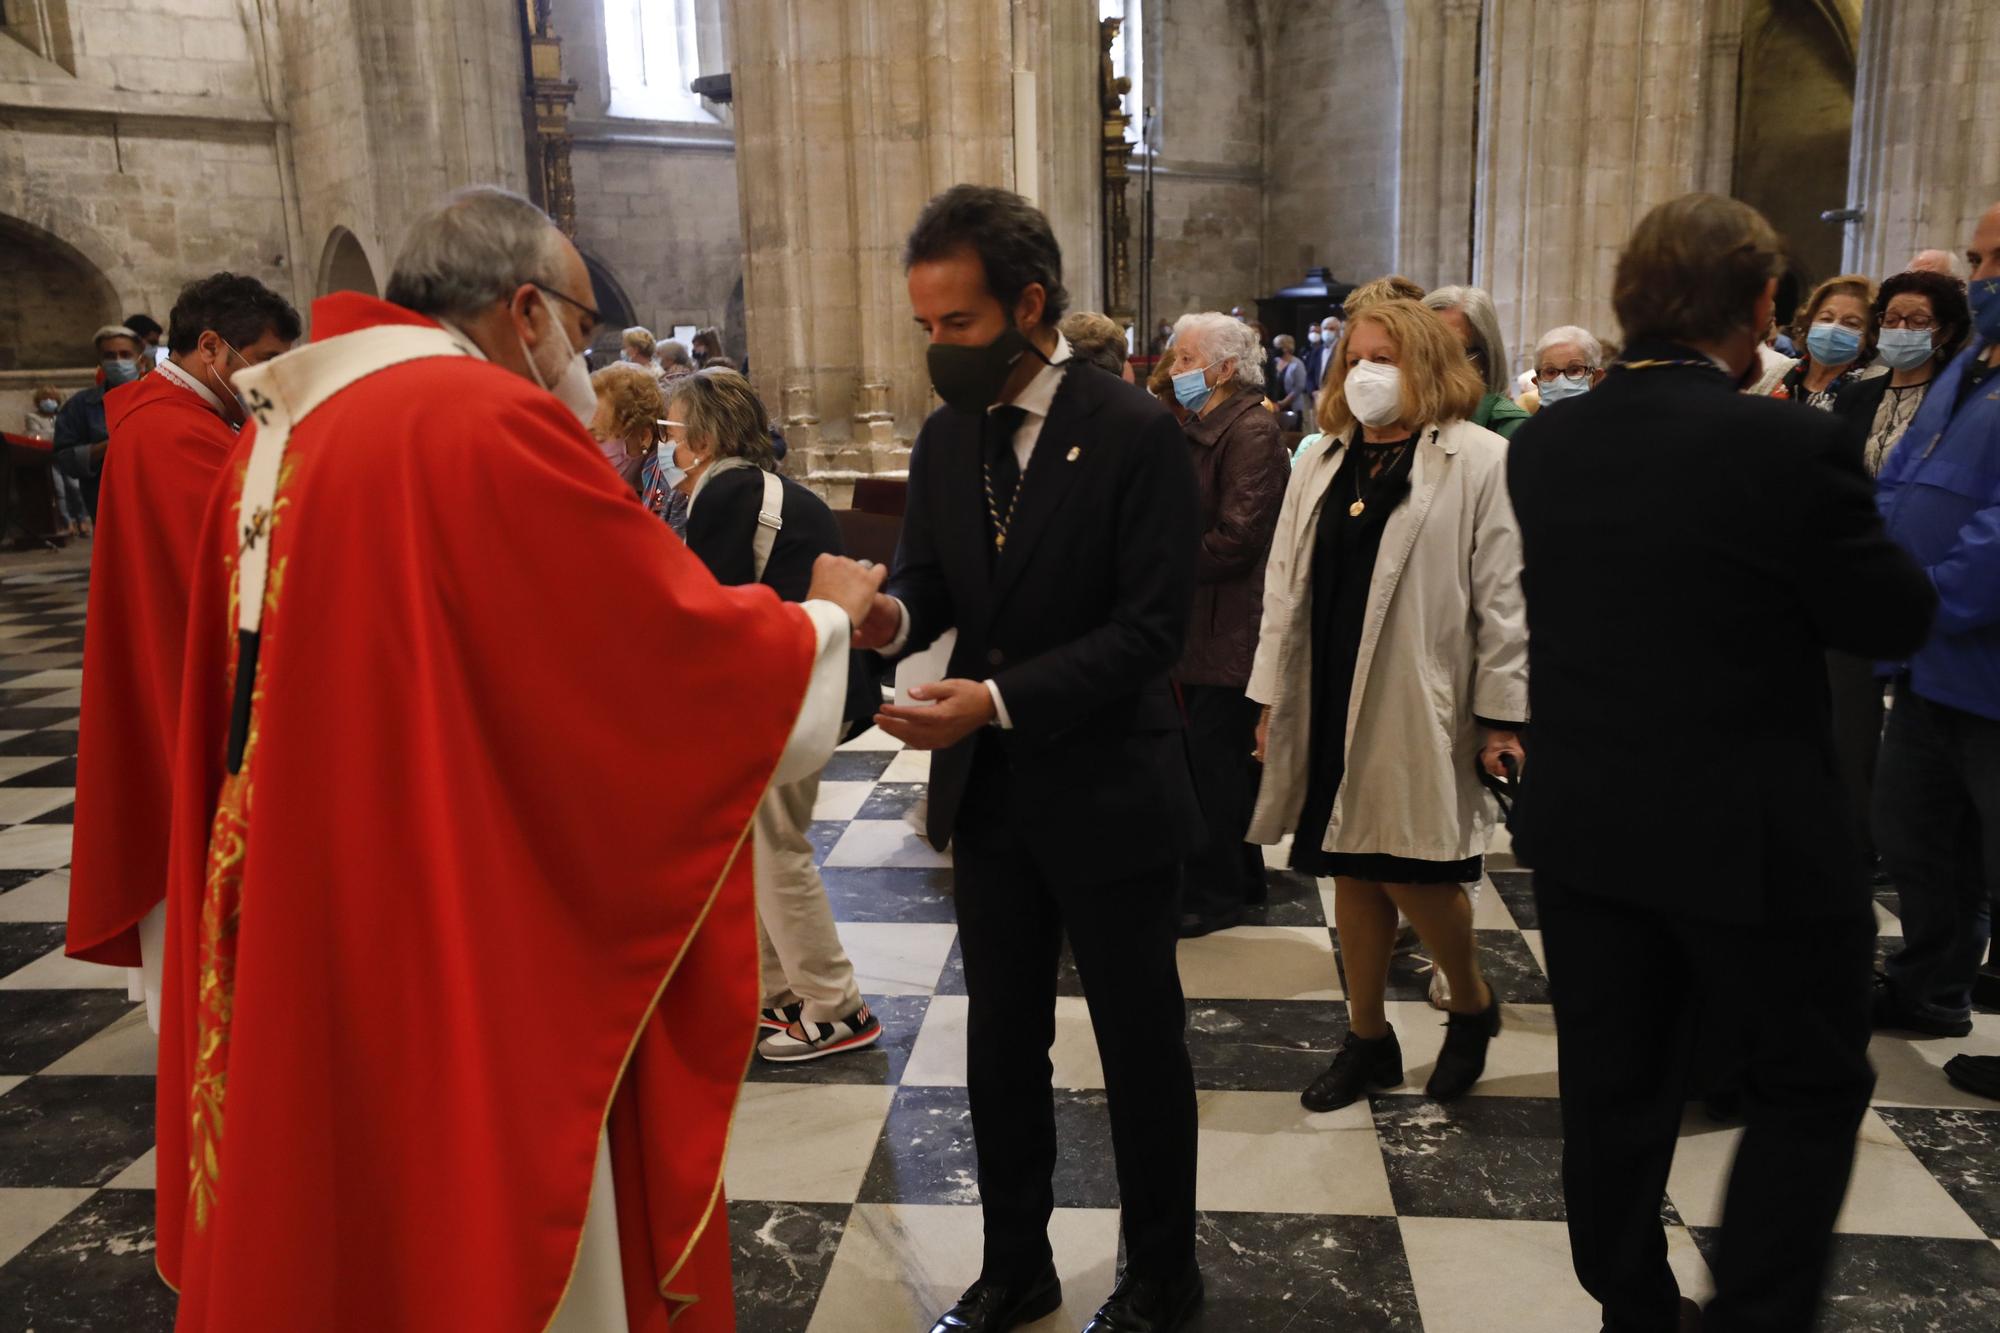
(469, 901)
(167, 449)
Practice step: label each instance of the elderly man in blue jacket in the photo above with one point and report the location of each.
(1937, 792)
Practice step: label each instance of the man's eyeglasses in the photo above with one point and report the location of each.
(591, 319)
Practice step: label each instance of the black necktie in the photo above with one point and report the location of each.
(1003, 469)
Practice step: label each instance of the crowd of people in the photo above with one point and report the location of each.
(1328, 590)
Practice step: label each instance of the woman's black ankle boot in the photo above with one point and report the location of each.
(1463, 1058)
(1363, 1062)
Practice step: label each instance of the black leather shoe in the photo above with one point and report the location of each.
(1463, 1058)
(1362, 1062)
(995, 1307)
(1194, 926)
(1144, 1305)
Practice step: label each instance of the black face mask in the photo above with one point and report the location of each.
(970, 378)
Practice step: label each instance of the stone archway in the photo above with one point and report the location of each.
(1795, 124)
(52, 298)
(614, 309)
(344, 266)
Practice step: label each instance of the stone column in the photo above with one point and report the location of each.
(850, 114)
(1440, 144)
(1592, 112)
(1925, 160)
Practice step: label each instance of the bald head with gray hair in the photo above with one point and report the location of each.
(1481, 333)
(475, 249)
(1219, 337)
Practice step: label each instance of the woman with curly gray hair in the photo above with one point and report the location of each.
(1241, 468)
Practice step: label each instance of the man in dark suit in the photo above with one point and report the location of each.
(1052, 522)
(1317, 358)
(1690, 553)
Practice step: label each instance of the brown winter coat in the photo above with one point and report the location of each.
(1241, 468)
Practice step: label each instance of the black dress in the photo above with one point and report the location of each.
(1343, 565)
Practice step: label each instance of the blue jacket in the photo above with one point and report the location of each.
(79, 423)
(1940, 494)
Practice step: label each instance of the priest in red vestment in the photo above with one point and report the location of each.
(170, 433)
(461, 965)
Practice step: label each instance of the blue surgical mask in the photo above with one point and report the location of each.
(1905, 349)
(1984, 294)
(1833, 344)
(1191, 388)
(1564, 386)
(671, 473)
(46, 406)
(118, 372)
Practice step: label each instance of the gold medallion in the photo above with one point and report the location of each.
(1354, 510)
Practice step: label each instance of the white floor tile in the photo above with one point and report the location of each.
(841, 800)
(1261, 1152)
(58, 678)
(14, 765)
(1909, 1071)
(900, 1265)
(938, 1059)
(1520, 1062)
(43, 899)
(873, 739)
(909, 766)
(1261, 963)
(1489, 909)
(20, 804)
(34, 846)
(804, 1142)
(26, 1213)
(141, 1175)
(127, 1046)
(72, 698)
(1890, 1194)
(9, 1082)
(1533, 939)
(1480, 1276)
(895, 957)
(53, 971)
(884, 842)
(1887, 922)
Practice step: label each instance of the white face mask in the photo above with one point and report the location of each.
(672, 474)
(571, 384)
(1374, 393)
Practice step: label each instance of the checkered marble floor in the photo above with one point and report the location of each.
(853, 1198)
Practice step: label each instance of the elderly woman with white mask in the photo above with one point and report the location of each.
(1392, 667)
(1568, 361)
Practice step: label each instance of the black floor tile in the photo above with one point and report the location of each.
(1961, 1150)
(1900, 1284)
(1262, 1045)
(890, 893)
(925, 1154)
(1480, 1157)
(892, 800)
(823, 834)
(60, 771)
(1517, 890)
(54, 744)
(857, 765)
(782, 1253)
(74, 1131)
(39, 1027)
(1303, 1274)
(65, 815)
(90, 1273)
(22, 942)
(1510, 970)
(1291, 899)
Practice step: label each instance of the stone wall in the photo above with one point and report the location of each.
(1330, 141)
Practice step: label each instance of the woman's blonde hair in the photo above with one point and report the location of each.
(634, 395)
(1857, 285)
(1439, 384)
(1389, 287)
(722, 411)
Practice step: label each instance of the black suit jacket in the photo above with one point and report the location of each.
(719, 530)
(1079, 623)
(1690, 553)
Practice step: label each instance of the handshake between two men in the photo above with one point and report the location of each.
(947, 711)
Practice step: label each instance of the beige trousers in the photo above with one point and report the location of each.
(802, 957)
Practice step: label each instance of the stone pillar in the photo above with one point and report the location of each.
(850, 114)
(1925, 160)
(1592, 112)
(1440, 141)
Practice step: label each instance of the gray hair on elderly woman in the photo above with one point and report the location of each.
(1223, 337)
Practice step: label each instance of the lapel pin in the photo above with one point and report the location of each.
(1075, 452)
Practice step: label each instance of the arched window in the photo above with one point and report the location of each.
(1128, 57)
(653, 52)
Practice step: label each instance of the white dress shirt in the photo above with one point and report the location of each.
(1035, 400)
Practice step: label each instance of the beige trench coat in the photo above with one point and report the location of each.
(1444, 640)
